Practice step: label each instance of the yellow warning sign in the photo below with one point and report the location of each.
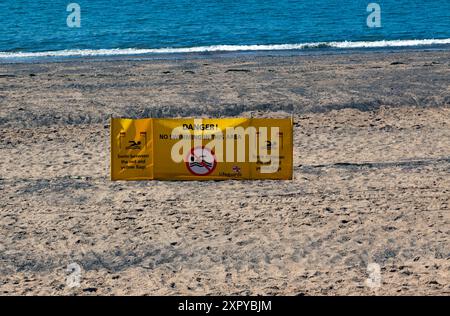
(201, 149)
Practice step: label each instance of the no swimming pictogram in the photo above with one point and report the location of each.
(201, 161)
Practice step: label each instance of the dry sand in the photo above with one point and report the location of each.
(372, 178)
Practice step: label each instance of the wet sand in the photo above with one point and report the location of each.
(371, 179)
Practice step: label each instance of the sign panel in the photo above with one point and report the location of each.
(201, 149)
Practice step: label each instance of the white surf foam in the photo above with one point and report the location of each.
(225, 48)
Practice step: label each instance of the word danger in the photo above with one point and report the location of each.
(200, 127)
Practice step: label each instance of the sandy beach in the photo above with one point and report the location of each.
(371, 178)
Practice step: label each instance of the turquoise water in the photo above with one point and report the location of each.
(39, 28)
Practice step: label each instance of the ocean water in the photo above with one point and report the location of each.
(126, 27)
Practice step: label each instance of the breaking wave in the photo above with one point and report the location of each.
(225, 48)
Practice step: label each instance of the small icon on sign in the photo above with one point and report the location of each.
(201, 161)
(134, 145)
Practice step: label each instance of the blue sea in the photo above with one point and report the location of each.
(35, 28)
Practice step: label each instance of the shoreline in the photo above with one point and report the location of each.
(327, 51)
